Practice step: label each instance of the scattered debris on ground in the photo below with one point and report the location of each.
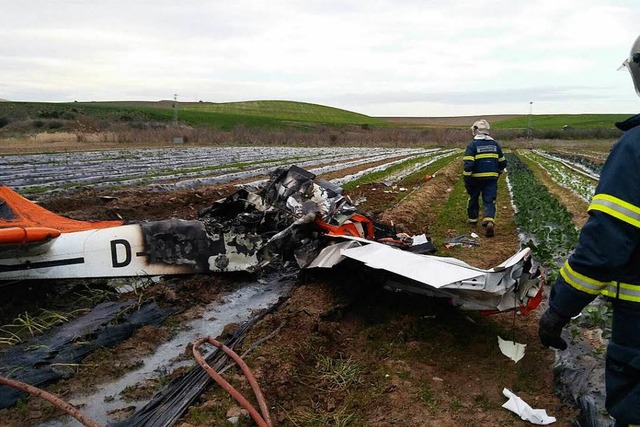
(347, 351)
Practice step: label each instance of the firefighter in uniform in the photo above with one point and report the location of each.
(483, 164)
(607, 261)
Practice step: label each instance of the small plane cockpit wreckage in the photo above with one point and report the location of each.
(293, 214)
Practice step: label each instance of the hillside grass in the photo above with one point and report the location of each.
(251, 114)
(281, 122)
(557, 121)
(279, 113)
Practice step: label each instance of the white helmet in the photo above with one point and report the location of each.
(480, 126)
(633, 64)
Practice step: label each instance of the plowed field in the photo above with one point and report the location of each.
(347, 352)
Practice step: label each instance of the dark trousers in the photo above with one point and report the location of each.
(488, 189)
(622, 373)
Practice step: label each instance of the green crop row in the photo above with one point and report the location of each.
(564, 176)
(588, 162)
(544, 221)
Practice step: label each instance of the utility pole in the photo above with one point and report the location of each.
(175, 109)
(529, 121)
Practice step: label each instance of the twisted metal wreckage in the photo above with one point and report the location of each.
(292, 216)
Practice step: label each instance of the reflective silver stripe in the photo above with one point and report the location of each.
(623, 291)
(580, 281)
(617, 208)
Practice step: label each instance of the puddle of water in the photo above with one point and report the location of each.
(236, 308)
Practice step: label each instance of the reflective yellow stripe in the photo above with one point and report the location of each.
(580, 281)
(617, 208)
(488, 219)
(623, 291)
(465, 173)
(487, 156)
(484, 174)
(626, 291)
(502, 159)
(468, 158)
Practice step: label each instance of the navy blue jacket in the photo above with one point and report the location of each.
(607, 258)
(607, 261)
(483, 159)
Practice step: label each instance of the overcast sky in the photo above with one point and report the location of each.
(376, 57)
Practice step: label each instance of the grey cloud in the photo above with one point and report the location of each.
(480, 97)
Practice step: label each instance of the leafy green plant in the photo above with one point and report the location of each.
(426, 395)
(27, 324)
(338, 374)
(9, 338)
(540, 216)
(455, 404)
(597, 316)
(339, 418)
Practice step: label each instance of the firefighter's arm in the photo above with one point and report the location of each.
(469, 159)
(502, 161)
(609, 239)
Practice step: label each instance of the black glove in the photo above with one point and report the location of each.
(550, 328)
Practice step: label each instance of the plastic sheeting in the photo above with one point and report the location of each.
(42, 360)
(168, 405)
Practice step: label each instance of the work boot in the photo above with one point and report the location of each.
(489, 229)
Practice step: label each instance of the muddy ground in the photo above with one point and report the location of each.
(347, 352)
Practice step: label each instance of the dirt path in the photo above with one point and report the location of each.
(414, 361)
(416, 213)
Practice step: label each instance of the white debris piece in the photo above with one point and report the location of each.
(330, 255)
(520, 407)
(511, 349)
(434, 271)
(419, 239)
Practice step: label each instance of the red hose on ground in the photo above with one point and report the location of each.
(69, 409)
(263, 419)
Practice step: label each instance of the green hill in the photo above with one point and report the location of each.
(268, 114)
(20, 117)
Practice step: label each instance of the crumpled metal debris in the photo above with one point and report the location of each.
(292, 218)
(462, 239)
(286, 217)
(513, 285)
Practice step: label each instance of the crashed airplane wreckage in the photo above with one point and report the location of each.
(292, 216)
